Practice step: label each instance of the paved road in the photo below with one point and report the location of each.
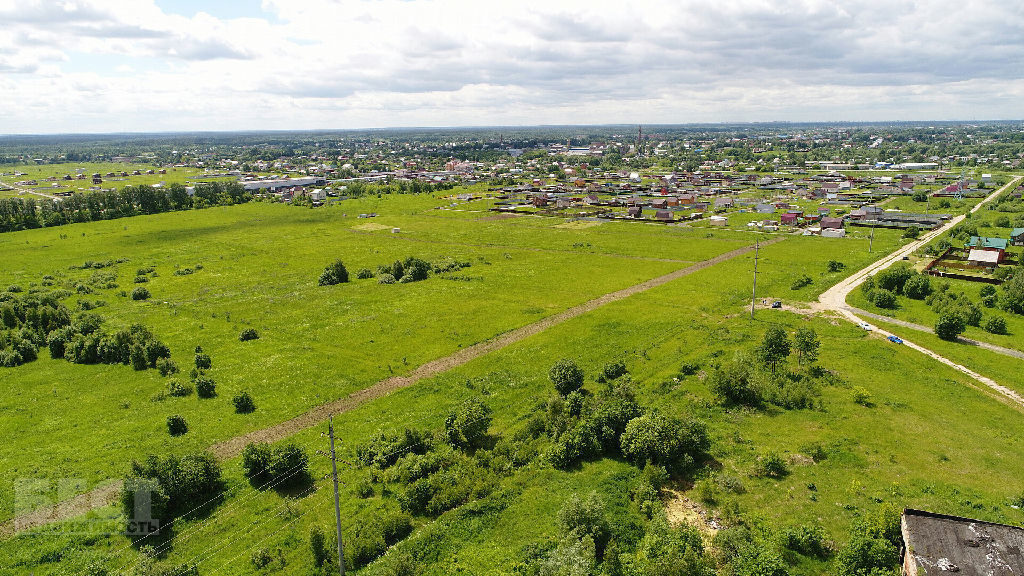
(107, 493)
(834, 299)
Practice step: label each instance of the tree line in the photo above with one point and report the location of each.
(27, 213)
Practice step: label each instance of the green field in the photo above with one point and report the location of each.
(259, 264)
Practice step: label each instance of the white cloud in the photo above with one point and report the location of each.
(332, 64)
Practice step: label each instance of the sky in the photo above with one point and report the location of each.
(84, 66)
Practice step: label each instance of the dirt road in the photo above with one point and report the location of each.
(107, 493)
(834, 299)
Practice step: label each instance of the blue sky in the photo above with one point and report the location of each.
(147, 65)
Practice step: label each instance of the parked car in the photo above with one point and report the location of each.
(777, 304)
(895, 340)
(865, 326)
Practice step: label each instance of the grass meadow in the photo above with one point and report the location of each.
(925, 438)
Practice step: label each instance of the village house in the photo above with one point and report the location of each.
(635, 212)
(937, 544)
(831, 223)
(663, 215)
(1017, 237)
(996, 245)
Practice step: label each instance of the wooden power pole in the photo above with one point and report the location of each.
(753, 294)
(337, 505)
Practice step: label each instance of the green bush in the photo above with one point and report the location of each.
(166, 366)
(140, 293)
(884, 298)
(244, 404)
(800, 282)
(176, 425)
(861, 396)
(585, 517)
(614, 370)
(178, 389)
(280, 466)
(732, 384)
(770, 465)
(835, 266)
(386, 278)
(806, 540)
(466, 427)
(203, 361)
(996, 325)
(249, 334)
(205, 387)
(364, 274)
(664, 440)
(335, 273)
(566, 376)
(894, 278)
(917, 287)
(949, 326)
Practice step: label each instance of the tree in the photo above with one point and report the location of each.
(1012, 298)
(335, 273)
(203, 361)
(807, 344)
(996, 325)
(894, 278)
(581, 517)
(566, 376)
(664, 440)
(950, 325)
(318, 547)
(466, 426)
(884, 298)
(917, 287)
(774, 347)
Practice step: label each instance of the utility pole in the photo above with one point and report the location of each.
(871, 240)
(337, 505)
(753, 294)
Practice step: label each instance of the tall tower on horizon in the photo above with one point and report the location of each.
(639, 139)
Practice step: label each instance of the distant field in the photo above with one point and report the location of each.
(43, 171)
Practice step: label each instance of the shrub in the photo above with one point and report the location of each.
(416, 269)
(732, 385)
(884, 298)
(386, 278)
(800, 282)
(585, 517)
(1012, 297)
(614, 370)
(770, 465)
(244, 403)
(364, 273)
(664, 440)
(395, 527)
(281, 466)
(920, 196)
(806, 540)
(774, 348)
(141, 279)
(166, 366)
(894, 278)
(996, 325)
(912, 232)
(205, 387)
(988, 296)
(261, 558)
(949, 326)
(178, 389)
(466, 426)
(835, 266)
(917, 287)
(861, 396)
(249, 334)
(203, 361)
(566, 376)
(140, 293)
(335, 273)
(176, 425)
(385, 449)
(318, 547)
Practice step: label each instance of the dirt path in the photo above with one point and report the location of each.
(107, 493)
(923, 328)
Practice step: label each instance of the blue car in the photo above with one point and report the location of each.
(895, 340)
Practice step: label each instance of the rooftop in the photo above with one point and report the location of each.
(938, 543)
